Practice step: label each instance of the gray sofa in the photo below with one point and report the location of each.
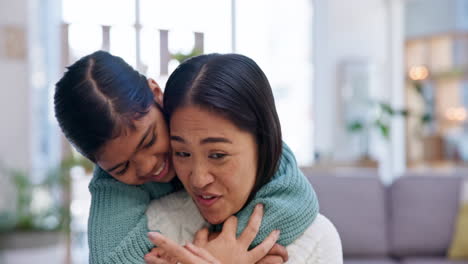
(410, 221)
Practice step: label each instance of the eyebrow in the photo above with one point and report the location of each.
(215, 140)
(142, 140)
(178, 139)
(207, 140)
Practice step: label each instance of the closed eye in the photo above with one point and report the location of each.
(151, 143)
(121, 172)
(182, 154)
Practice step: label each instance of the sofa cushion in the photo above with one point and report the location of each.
(422, 214)
(431, 261)
(369, 261)
(356, 205)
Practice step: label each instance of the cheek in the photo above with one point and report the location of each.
(163, 142)
(162, 132)
(239, 177)
(129, 177)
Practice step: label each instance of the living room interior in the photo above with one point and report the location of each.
(372, 97)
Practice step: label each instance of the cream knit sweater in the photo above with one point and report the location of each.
(177, 217)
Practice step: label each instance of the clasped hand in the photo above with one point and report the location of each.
(224, 248)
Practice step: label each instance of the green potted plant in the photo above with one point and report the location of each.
(42, 209)
(380, 119)
(181, 57)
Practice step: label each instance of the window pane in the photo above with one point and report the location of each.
(150, 52)
(103, 12)
(282, 48)
(122, 43)
(211, 17)
(84, 39)
(181, 41)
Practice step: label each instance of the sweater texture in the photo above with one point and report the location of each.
(118, 225)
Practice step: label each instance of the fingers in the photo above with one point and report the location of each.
(262, 250)
(151, 259)
(230, 227)
(201, 237)
(170, 259)
(202, 253)
(251, 230)
(279, 251)
(173, 249)
(213, 235)
(269, 259)
(156, 251)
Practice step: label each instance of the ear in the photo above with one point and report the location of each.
(157, 92)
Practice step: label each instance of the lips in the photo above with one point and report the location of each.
(160, 171)
(207, 199)
(160, 168)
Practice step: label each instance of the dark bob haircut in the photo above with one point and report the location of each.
(234, 87)
(97, 98)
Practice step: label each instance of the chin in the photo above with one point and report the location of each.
(168, 177)
(215, 219)
(215, 222)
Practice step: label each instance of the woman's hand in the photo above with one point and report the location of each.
(226, 248)
(277, 255)
(188, 254)
(160, 256)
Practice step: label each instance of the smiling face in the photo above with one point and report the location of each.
(215, 161)
(140, 155)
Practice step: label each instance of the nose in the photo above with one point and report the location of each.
(200, 176)
(144, 164)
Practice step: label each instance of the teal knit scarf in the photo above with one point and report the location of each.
(290, 203)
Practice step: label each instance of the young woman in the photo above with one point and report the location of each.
(227, 151)
(113, 115)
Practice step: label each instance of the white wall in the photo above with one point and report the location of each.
(347, 30)
(343, 30)
(29, 66)
(14, 94)
(279, 40)
(14, 98)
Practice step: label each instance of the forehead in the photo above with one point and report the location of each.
(194, 121)
(199, 118)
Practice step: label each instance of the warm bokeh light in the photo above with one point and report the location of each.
(458, 114)
(418, 73)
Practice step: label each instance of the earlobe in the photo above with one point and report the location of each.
(156, 90)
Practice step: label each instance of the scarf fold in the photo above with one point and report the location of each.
(290, 203)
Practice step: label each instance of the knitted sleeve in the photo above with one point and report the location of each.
(319, 244)
(290, 203)
(117, 224)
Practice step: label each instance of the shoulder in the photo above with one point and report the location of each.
(102, 182)
(320, 243)
(173, 203)
(176, 216)
(102, 179)
(111, 198)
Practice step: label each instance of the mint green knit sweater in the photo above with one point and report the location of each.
(117, 227)
(290, 203)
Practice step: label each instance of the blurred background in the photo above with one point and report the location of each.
(368, 88)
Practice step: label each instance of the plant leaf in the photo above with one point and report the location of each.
(355, 126)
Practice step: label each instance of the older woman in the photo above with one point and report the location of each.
(229, 155)
(114, 116)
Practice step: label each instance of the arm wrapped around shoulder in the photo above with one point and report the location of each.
(117, 224)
